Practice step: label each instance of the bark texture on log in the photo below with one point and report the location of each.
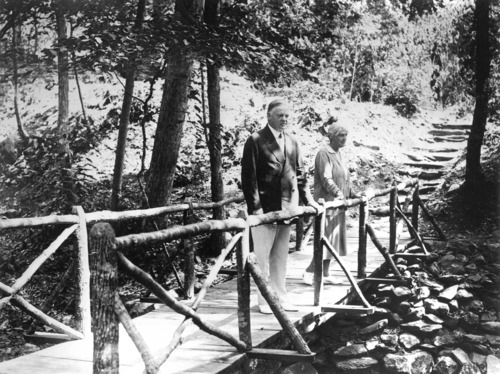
(104, 283)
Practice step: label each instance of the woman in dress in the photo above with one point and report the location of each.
(331, 181)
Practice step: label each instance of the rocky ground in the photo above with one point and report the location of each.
(445, 321)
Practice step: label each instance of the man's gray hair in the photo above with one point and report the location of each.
(275, 103)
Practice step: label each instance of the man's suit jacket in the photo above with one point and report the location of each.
(270, 179)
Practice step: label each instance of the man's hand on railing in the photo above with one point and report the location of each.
(315, 205)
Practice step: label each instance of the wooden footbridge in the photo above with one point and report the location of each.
(221, 329)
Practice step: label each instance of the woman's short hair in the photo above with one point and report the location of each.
(335, 129)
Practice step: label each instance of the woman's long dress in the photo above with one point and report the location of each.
(330, 177)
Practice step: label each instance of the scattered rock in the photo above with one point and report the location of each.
(374, 327)
(488, 317)
(475, 339)
(408, 340)
(451, 322)
(448, 294)
(433, 306)
(404, 307)
(402, 292)
(300, 367)
(431, 318)
(464, 295)
(421, 327)
(453, 306)
(389, 339)
(451, 278)
(445, 338)
(469, 320)
(452, 264)
(491, 327)
(414, 314)
(382, 302)
(492, 365)
(431, 284)
(353, 350)
(478, 359)
(493, 340)
(460, 356)
(381, 312)
(445, 365)
(422, 293)
(476, 306)
(371, 344)
(418, 362)
(356, 365)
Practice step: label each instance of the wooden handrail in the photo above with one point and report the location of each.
(13, 223)
(176, 232)
(111, 216)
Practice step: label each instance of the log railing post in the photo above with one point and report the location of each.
(363, 208)
(299, 233)
(104, 283)
(415, 209)
(189, 269)
(243, 286)
(319, 231)
(392, 219)
(82, 312)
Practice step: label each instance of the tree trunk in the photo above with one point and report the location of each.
(63, 105)
(62, 70)
(125, 117)
(474, 174)
(218, 240)
(23, 134)
(172, 113)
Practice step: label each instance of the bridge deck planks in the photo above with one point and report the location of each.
(200, 352)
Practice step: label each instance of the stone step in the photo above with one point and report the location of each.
(447, 157)
(431, 174)
(438, 150)
(453, 139)
(424, 190)
(425, 165)
(447, 132)
(452, 126)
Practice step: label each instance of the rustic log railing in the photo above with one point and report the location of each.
(246, 266)
(76, 225)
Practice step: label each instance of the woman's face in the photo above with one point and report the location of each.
(338, 140)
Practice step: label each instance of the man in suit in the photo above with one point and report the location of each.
(273, 178)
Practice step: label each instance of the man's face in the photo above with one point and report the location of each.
(278, 117)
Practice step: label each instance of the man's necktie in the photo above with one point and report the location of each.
(281, 141)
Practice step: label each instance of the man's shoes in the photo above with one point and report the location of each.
(331, 280)
(265, 309)
(308, 278)
(289, 307)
